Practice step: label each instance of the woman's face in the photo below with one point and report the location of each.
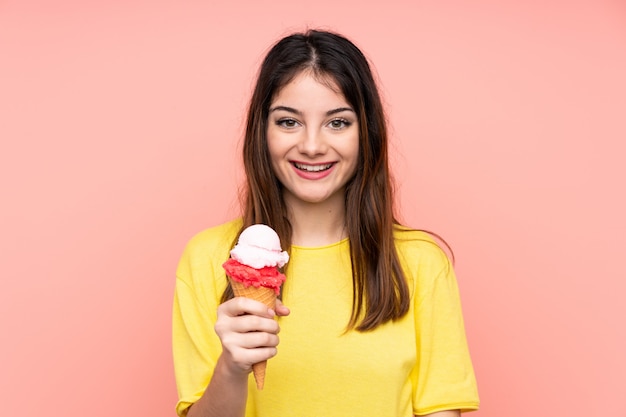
(313, 140)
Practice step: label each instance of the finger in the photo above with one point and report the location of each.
(256, 340)
(248, 357)
(252, 323)
(241, 305)
(281, 309)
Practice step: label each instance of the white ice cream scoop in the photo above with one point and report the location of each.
(259, 246)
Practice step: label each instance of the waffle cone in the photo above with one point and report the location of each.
(268, 297)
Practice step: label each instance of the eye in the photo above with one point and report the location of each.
(338, 124)
(287, 123)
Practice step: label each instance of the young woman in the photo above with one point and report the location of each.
(374, 324)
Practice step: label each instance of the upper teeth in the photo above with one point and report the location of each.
(313, 168)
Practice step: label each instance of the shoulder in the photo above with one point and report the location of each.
(216, 237)
(419, 245)
(421, 254)
(209, 248)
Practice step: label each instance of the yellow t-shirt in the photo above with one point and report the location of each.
(419, 364)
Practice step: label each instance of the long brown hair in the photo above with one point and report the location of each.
(380, 291)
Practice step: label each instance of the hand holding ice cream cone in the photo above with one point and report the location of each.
(253, 273)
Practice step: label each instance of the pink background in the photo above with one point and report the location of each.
(120, 125)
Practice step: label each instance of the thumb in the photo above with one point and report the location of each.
(280, 309)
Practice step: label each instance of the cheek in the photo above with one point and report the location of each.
(352, 149)
(355, 159)
(271, 146)
(275, 155)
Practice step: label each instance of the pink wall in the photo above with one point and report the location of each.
(120, 124)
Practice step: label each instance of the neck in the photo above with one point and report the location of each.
(317, 224)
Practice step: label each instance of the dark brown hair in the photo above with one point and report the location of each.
(380, 291)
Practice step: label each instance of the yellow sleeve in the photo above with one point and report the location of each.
(200, 281)
(443, 378)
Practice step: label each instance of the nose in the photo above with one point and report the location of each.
(312, 143)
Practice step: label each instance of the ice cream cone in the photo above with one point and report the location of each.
(268, 297)
(253, 270)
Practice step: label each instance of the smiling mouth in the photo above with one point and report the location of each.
(312, 168)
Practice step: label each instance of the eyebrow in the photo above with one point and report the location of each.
(299, 113)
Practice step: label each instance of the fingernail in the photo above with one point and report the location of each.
(271, 312)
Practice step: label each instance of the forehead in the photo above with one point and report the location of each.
(307, 87)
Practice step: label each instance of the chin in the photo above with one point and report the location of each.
(314, 200)
(318, 199)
